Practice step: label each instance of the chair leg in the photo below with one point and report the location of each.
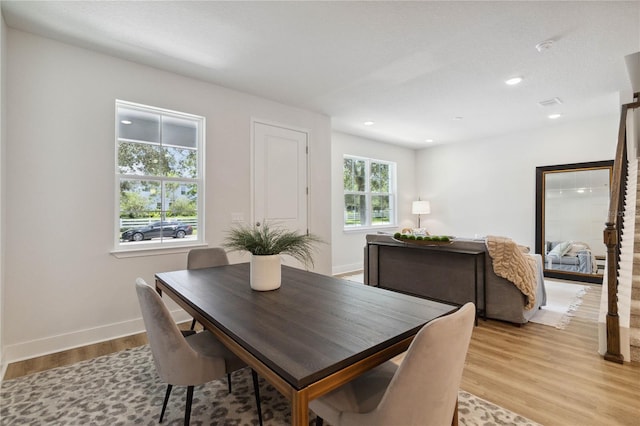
(187, 410)
(319, 421)
(166, 399)
(454, 419)
(256, 391)
(229, 381)
(193, 324)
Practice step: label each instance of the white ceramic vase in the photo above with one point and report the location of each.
(266, 272)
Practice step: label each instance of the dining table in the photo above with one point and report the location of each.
(308, 337)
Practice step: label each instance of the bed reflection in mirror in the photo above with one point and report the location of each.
(572, 206)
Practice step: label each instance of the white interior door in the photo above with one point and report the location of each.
(280, 178)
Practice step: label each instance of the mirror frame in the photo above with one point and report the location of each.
(540, 199)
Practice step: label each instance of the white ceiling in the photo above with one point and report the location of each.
(411, 67)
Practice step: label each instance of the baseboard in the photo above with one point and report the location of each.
(3, 368)
(63, 342)
(345, 269)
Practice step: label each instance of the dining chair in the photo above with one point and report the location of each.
(206, 258)
(422, 390)
(184, 361)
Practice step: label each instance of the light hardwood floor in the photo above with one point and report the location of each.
(554, 377)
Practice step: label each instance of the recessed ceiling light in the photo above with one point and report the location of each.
(125, 121)
(554, 116)
(368, 123)
(428, 140)
(513, 81)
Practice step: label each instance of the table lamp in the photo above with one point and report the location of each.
(420, 207)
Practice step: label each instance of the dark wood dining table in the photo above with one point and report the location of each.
(308, 337)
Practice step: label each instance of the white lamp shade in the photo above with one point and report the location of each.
(420, 207)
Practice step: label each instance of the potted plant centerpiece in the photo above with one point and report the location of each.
(266, 244)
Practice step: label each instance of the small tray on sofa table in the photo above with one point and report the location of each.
(423, 242)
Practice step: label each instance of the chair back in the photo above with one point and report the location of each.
(176, 361)
(424, 389)
(206, 258)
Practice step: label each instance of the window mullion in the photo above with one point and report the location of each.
(368, 191)
(163, 185)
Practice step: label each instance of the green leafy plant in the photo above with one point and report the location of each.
(265, 240)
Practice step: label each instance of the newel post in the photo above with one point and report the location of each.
(613, 321)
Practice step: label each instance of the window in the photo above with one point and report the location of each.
(159, 177)
(369, 192)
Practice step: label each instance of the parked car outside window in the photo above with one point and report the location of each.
(159, 229)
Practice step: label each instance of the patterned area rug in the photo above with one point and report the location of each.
(124, 389)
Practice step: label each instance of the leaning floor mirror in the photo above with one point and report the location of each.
(572, 201)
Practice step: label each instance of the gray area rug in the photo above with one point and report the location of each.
(124, 389)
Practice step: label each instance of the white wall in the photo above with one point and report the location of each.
(348, 245)
(3, 49)
(63, 288)
(487, 187)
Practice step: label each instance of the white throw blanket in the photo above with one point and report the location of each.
(511, 263)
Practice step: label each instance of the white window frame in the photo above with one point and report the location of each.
(393, 204)
(125, 249)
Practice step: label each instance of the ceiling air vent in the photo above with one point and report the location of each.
(550, 102)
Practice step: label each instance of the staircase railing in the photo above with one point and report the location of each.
(613, 235)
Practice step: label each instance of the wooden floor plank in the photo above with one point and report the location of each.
(554, 377)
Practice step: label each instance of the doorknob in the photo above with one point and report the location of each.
(257, 223)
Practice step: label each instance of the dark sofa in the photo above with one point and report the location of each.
(442, 274)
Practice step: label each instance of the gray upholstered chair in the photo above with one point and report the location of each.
(422, 391)
(206, 258)
(184, 361)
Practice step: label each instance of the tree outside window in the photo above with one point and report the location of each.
(158, 170)
(369, 192)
